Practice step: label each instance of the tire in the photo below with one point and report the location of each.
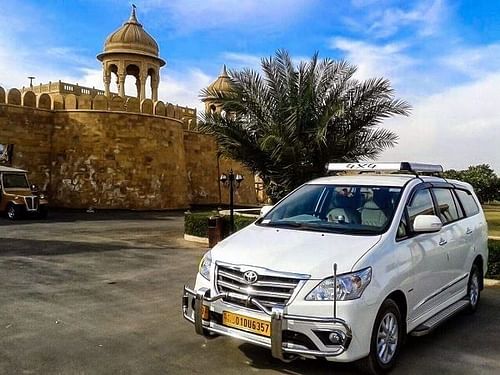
(43, 212)
(381, 360)
(473, 289)
(13, 212)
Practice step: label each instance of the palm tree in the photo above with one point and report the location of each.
(286, 124)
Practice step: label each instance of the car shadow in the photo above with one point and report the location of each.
(68, 216)
(450, 347)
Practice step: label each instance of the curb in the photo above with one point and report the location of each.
(202, 240)
(491, 282)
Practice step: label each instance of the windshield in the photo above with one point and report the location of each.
(15, 181)
(336, 208)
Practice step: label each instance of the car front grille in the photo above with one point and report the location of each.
(32, 202)
(270, 288)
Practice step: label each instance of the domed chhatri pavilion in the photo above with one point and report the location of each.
(96, 148)
(130, 50)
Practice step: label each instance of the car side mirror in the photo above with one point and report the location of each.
(34, 188)
(264, 210)
(427, 224)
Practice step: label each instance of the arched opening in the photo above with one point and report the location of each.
(149, 91)
(150, 83)
(133, 70)
(113, 72)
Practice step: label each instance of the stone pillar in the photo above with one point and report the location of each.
(107, 81)
(155, 82)
(121, 84)
(138, 85)
(143, 78)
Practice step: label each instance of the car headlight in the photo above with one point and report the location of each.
(205, 265)
(349, 286)
(42, 196)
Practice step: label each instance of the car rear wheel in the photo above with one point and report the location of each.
(474, 289)
(13, 212)
(386, 341)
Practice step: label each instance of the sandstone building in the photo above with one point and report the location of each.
(90, 147)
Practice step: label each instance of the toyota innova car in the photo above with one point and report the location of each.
(346, 266)
(17, 197)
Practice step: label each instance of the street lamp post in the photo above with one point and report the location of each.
(232, 181)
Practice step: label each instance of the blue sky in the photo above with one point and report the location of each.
(441, 55)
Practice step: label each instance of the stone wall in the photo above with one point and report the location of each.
(203, 167)
(117, 160)
(30, 131)
(114, 159)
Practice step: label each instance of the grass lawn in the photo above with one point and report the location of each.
(492, 213)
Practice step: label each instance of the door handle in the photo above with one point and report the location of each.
(442, 242)
(469, 231)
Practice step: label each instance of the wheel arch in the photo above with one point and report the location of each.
(400, 298)
(479, 262)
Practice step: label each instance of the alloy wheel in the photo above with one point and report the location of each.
(387, 338)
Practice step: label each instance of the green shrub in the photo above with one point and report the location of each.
(494, 259)
(196, 223)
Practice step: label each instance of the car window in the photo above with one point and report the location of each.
(421, 204)
(447, 209)
(468, 202)
(346, 209)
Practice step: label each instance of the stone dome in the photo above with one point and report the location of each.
(131, 38)
(222, 83)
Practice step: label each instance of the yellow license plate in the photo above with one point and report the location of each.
(245, 323)
(205, 312)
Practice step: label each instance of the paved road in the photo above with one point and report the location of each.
(100, 294)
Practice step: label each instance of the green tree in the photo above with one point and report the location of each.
(484, 180)
(288, 122)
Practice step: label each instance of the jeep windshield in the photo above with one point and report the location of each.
(346, 209)
(15, 181)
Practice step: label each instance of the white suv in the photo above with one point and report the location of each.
(404, 252)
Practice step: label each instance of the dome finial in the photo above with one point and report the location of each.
(133, 18)
(223, 73)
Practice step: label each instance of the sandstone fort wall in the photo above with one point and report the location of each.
(113, 153)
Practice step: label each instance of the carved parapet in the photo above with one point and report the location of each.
(133, 105)
(147, 106)
(57, 102)
(117, 104)
(43, 101)
(14, 97)
(100, 103)
(85, 101)
(159, 108)
(71, 101)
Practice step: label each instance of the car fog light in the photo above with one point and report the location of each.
(336, 337)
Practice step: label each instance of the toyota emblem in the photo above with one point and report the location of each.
(250, 277)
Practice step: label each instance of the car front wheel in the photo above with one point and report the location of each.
(386, 341)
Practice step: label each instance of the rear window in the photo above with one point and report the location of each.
(468, 202)
(447, 209)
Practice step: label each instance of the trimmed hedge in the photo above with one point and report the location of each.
(196, 223)
(493, 259)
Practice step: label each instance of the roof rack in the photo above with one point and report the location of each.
(415, 168)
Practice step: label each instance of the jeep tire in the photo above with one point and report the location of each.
(13, 211)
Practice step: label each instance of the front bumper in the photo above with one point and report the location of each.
(192, 309)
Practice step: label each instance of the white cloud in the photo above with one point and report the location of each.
(386, 60)
(382, 20)
(457, 127)
(191, 15)
(474, 61)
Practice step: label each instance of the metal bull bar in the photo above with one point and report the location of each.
(277, 315)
